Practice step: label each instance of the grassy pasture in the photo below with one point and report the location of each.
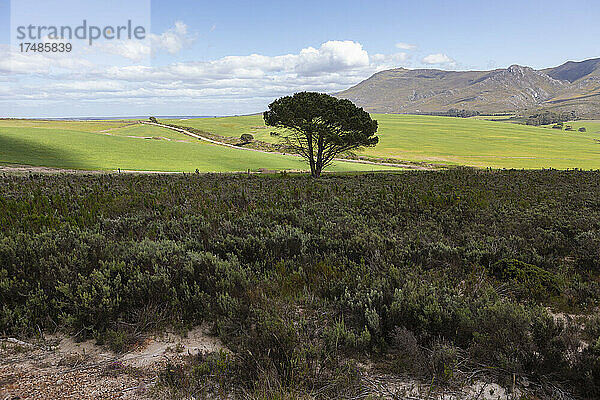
(453, 141)
(231, 126)
(493, 117)
(86, 146)
(482, 143)
(441, 140)
(149, 131)
(81, 126)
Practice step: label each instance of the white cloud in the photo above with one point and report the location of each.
(331, 56)
(253, 79)
(134, 50)
(438, 58)
(389, 60)
(405, 46)
(173, 40)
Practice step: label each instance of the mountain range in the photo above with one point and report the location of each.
(573, 86)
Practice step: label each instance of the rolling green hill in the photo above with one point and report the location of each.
(451, 141)
(112, 145)
(107, 145)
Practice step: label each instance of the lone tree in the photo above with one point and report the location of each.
(319, 127)
(153, 120)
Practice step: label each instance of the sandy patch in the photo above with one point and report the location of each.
(58, 367)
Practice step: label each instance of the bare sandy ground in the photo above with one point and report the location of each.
(59, 368)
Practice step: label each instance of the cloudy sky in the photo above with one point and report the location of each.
(235, 57)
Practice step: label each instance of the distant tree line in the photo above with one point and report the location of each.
(549, 117)
(453, 112)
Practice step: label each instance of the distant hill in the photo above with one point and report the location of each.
(573, 86)
(573, 71)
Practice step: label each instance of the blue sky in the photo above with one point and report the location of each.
(536, 33)
(234, 57)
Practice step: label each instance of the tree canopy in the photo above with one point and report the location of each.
(319, 127)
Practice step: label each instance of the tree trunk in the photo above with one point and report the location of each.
(317, 172)
(311, 158)
(319, 163)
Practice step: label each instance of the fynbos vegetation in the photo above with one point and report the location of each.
(441, 275)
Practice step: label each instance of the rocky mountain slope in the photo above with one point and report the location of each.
(573, 86)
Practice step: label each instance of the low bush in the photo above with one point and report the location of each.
(528, 280)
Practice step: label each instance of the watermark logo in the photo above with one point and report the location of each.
(84, 31)
(95, 31)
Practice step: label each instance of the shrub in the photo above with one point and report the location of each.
(217, 365)
(588, 250)
(530, 281)
(246, 138)
(119, 341)
(592, 327)
(407, 353)
(443, 361)
(340, 338)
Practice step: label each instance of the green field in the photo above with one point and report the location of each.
(82, 126)
(149, 131)
(483, 143)
(453, 141)
(109, 146)
(230, 126)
